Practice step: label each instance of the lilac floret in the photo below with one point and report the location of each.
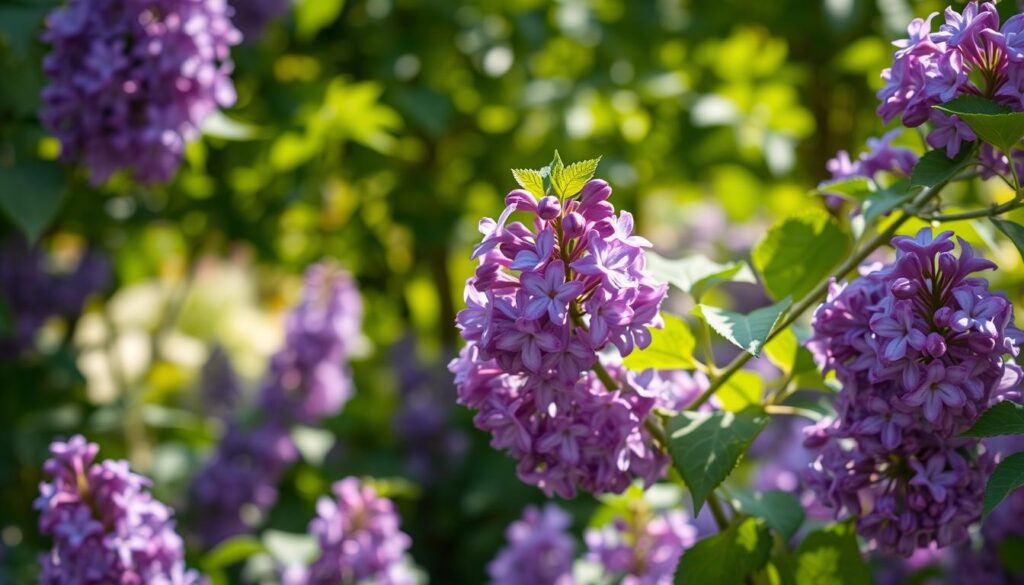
(539, 551)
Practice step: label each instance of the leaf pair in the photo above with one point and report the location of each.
(563, 181)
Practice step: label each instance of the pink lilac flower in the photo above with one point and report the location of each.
(539, 551)
(360, 540)
(131, 83)
(921, 347)
(105, 525)
(643, 550)
(546, 303)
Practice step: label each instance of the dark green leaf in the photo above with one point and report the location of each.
(830, 556)
(1012, 230)
(671, 348)
(992, 122)
(707, 446)
(232, 551)
(1008, 476)
(799, 252)
(696, 275)
(881, 202)
(31, 193)
(935, 168)
(747, 332)
(726, 558)
(1005, 418)
(781, 510)
(19, 24)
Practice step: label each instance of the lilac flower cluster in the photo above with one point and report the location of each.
(970, 54)
(106, 526)
(307, 380)
(32, 293)
(540, 550)
(542, 305)
(360, 540)
(132, 82)
(919, 347)
(645, 549)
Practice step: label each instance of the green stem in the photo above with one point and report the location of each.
(605, 377)
(792, 411)
(709, 355)
(716, 510)
(991, 211)
(813, 297)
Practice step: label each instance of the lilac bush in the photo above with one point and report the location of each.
(360, 540)
(130, 83)
(540, 550)
(544, 303)
(105, 525)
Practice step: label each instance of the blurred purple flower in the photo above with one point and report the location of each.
(539, 551)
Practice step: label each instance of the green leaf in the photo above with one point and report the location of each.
(696, 275)
(312, 16)
(781, 510)
(881, 202)
(530, 180)
(31, 195)
(1012, 230)
(728, 557)
(934, 168)
(789, 355)
(671, 348)
(856, 188)
(232, 551)
(747, 332)
(799, 252)
(290, 548)
(830, 556)
(1005, 418)
(707, 446)
(20, 25)
(992, 122)
(741, 391)
(1008, 476)
(567, 181)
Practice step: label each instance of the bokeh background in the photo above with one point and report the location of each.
(376, 133)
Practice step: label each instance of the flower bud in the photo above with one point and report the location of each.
(549, 207)
(573, 225)
(521, 200)
(904, 288)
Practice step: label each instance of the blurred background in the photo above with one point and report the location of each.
(377, 133)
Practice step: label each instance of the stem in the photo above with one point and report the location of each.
(991, 211)
(709, 356)
(819, 291)
(792, 411)
(605, 377)
(716, 510)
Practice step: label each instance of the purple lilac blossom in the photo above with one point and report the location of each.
(132, 82)
(306, 381)
(539, 552)
(544, 302)
(643, 550)
(32, 293)
(360, 540)
(308, 378)
(921, 348)
(880, 157)
(105, 525)
(931, 68)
